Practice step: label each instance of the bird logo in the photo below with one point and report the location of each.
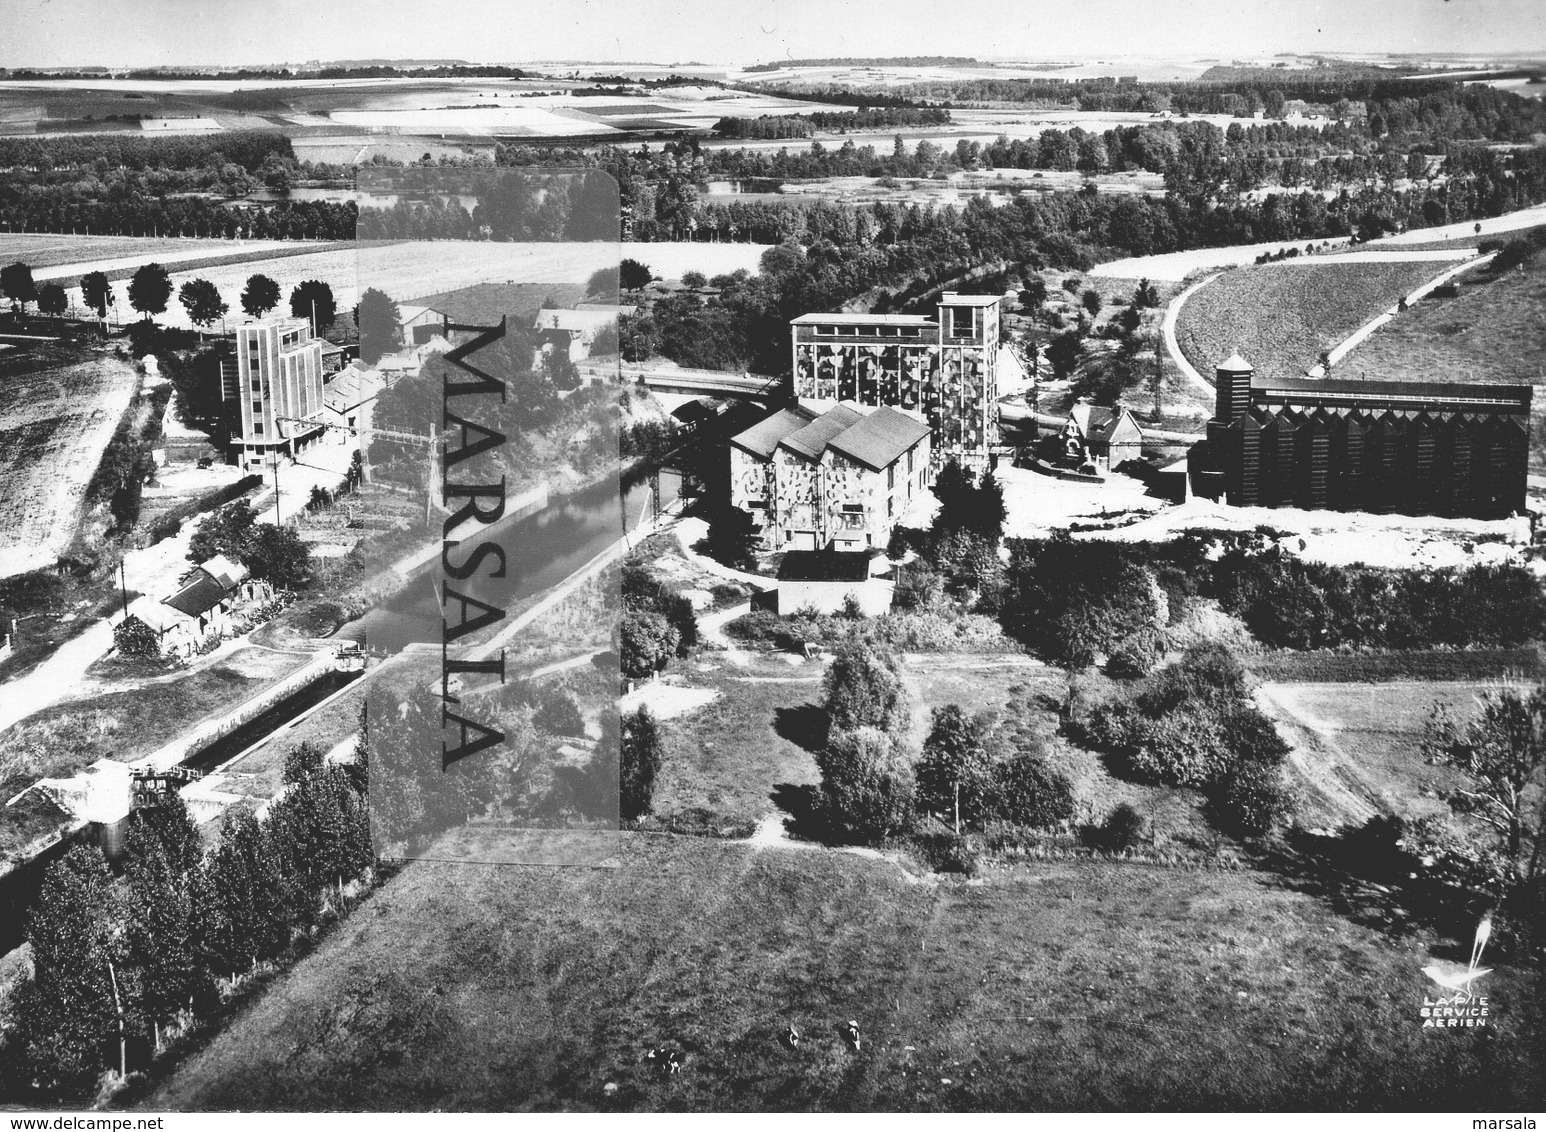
(1459, 979)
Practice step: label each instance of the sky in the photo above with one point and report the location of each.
(736, 32)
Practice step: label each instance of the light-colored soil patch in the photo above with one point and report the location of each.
(54, 425)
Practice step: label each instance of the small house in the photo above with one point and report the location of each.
(1103, 436)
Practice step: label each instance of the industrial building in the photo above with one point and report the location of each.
(276, 386)
(839, 480)
(944, 368)
(1416, 448)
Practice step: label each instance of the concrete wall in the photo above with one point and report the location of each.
(827, 597)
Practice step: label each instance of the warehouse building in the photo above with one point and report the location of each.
(835, 481)
(944, 368)
(1416, 448)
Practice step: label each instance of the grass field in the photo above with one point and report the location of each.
(54, 424)
(61, 740)
(1357, 751)
(1073, 985)
(1494, 331)
(1281, 316)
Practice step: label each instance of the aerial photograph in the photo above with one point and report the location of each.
(769, 556)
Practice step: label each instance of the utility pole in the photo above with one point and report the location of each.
(276, 489)
(123, 1055)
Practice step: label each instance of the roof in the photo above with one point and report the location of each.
(843, 319)
(198, 596)
(350, 388)
(409, 311)
(1418, 392)
(812, 440)
(824, 566)
(951, 299)
(1235, 364)
(880, 438)
(224, 571)
(763, 437)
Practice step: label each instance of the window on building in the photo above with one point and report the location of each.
(257, 428)
(257, 408)
(890, 476)
(961, 322)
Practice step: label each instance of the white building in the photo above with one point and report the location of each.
(277, 387)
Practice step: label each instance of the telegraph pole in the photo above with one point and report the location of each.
(123, 587)
(276, 489)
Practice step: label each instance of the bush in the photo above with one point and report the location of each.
(648, 642)
(946, 851)
(866, 785)
(1136, 656)
(863, 688)
(1121, 832)
(135, 638)
(1026, 791)
(1252, 801)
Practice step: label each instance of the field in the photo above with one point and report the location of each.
(1356, 748)
(64, 257)
(1071, 985)
(1280, 316)
(54, 425)
(1494, 331)
(61, 740)
(409, 271)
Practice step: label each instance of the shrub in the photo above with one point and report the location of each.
(919, 588)
(946, 851)
(135, 638)
(1136, 656)
(1252, 801)
(648, 642)
(1121, 832)
(866, 785)
(1026, 791)
(863, 688)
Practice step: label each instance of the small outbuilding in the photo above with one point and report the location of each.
(823, 580)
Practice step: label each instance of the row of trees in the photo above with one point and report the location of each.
(119, 964)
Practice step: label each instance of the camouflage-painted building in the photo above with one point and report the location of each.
(944, 368)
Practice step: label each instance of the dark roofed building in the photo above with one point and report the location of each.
(1102, 436)
(1412, 447)
(824, 580)
(837, 481)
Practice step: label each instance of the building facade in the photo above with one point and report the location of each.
(1410, 447)
(840, 480)
(276, 385)
(1102, 437)
(944, 368)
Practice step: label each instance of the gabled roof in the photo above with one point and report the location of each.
(199, 594)
(224, 571)
(812, 440)
(1235, 364)
(880, 438)
(824, 566)
(763, 437)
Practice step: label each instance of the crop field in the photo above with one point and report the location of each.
(54, 425)
(1357, 747)
(1495, 330)
(412, 270)
(1064, 986)
(1279, 317)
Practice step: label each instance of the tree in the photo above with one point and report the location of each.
(380, 324)
(201, 299)
(150, 289)
(16, 282)
(863, 688)
(133, 637)
(1026, 791)
(640, 757)
(166, 916)
(97, 292)
(1501, 754)
(1064, 353)
(695, 279)
(559, 368)
(260, 295)
(314, 300)
(65, 1020)
(224, 532)
(1146, 295)
(633, 275)
(248, 922)
(866, 785)
(277, 554)
(52, 299)
(1091, 302)
(648, 642)
(1034, 293)
(732, 538)
(954, 775)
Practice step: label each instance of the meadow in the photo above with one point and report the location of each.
(54, 424)
(1280, 317)
(1065, 986)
